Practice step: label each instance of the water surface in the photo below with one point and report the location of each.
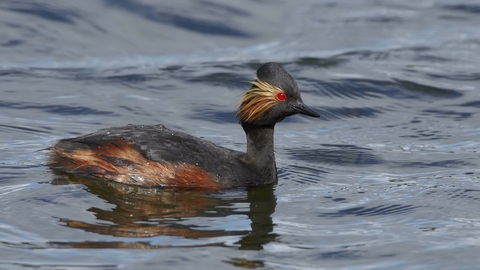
(387, 178)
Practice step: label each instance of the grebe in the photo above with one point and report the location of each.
(158, 156)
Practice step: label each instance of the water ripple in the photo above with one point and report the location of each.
(381, 210)
(333, 113)
(430, 91)
(301, 174)
(43, 11)
(342, 155)
(468, 8)
(320, 62)
(55, 109)
(204, 26)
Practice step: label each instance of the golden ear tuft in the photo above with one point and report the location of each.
(257, 100)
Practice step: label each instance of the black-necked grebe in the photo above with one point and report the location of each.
(158, 156)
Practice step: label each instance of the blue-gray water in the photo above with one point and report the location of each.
(387, 178)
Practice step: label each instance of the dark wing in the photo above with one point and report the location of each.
(147, 155)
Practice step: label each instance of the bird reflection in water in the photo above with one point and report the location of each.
(144, 213)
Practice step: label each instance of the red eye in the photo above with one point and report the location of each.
(281, 96)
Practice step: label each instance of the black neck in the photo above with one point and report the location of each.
(260, 148)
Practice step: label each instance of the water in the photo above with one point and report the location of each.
(387, 178)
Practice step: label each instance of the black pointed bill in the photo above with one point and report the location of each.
(303, 109)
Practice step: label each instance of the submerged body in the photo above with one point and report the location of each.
(158, 156)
